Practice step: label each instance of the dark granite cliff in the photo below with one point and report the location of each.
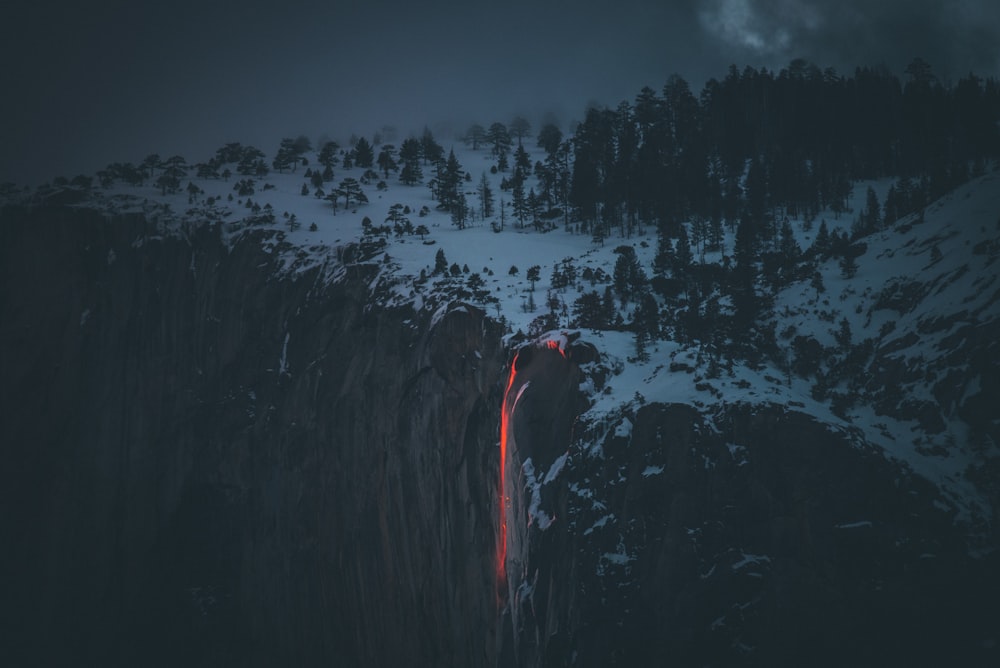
(206, 463)
(203, 462)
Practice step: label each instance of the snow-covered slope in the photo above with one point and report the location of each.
(707, 491)
(914, 377)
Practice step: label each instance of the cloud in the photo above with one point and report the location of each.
(953, 37)
(766, 28)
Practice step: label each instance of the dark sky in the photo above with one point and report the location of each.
(87, 83)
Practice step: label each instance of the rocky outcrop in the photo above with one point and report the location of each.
(204, 463)
(209, 462)
(762, 537)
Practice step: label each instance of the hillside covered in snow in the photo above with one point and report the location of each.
(746, 376)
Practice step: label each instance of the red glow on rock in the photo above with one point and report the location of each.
(554, 345)
(505, 412)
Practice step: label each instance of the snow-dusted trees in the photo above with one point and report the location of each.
(174, 169)
(499, 140)
(629, 277)
(364, 154)
(291, 152)
(519, 128)
(431, 151)
(351, 191)
(387, 159)
(409, 155)
(475, 136)
(447, 184)
(328, 154)
(485, 194)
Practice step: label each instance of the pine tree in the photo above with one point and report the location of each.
(499, 139)
(285, 157)
(848, 265)
(519, 202)
(533, 275)
(745, 276)
(350, 190)
(663, 261)
(821, 246)
(440, 262)
(431, 151)
(522, 163)
(872, 213)
(387, 159)
(549, 138)
(817, 284)
(683, 257)
(609, 309)
(843, 335)
(328, 155)
(448, 182)
(588, 311)
(520, 128)
(533, 206)
(409, 155)
(475, 135)
(459, 211)
(364, 154)
(485, 194)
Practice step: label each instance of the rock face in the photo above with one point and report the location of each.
(207, 464)
(204, 463)
(761, 538)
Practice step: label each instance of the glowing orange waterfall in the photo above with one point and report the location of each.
(505, 414)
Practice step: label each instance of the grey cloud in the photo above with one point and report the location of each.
(955, 37)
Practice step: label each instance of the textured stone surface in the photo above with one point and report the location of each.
(204, 464)
(178, 487)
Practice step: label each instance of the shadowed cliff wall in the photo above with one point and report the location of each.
(206, 463)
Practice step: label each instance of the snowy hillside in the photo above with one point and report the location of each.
(892, 354)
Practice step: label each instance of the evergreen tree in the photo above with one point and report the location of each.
(387, 159)
(628, 276)
(843, 335)
(409, 154)
(499, 139)
(821, 246)
(848, 265)
(431, 151)
(745, 276)
(549, 138)
(475, 135)
(328, 155)
(533, 275)
(817, 284)
(533, 206)
(520, 128)
(485, 194)
(460, 211)
(448, 184)
(646, 318)
(522, 163)
(664, 259)
(683, 257)
(350, 190)
(588, 311)
(519, 202)
(872, 213)
(440, 262)
(286, 156)
(364, 154)
(789, 251)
